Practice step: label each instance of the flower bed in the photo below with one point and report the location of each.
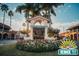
(38, 45)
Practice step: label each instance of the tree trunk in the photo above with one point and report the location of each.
(10, 21)
(49, 19)
(3, 25)
(46, 14)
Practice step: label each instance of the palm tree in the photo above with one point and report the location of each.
(49, 8)
(0, 4)
(26, 8)
(4, 9)
(10, 14)
(30, 10)
(35, 9)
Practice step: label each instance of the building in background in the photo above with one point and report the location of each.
(6, 33)
(72, 32)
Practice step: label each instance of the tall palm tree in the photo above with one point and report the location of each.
(10, 14)
(4, 9)
(0, 4)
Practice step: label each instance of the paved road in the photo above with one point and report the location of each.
(6, 42)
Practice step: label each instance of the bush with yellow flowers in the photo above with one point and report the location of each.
(25, 31)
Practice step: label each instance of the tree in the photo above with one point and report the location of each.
(34, 9)
(30, 10)
(0, 4)
(10, 14)
(4, 8)
(49, 8)
(53, 33)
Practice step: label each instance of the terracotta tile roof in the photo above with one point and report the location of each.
(5, 26)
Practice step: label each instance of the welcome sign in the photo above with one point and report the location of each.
(68, 47)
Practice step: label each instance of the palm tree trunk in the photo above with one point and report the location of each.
(49, 19)
(10, 21)
(3, 25)
(46, 14)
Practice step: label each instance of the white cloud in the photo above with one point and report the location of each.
(17, 23)
(63, 26)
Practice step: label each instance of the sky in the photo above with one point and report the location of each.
(66, 16)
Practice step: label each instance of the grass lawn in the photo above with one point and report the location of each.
(10, 50)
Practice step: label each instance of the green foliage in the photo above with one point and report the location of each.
(4, 8)
(10, 13)
(53, 32)
(36, 8)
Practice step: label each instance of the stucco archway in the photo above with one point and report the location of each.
(5, 36)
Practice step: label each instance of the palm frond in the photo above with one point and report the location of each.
(10, 13)
(20, 8)
(4, 8)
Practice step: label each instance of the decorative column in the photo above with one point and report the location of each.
(31, 33)
(77, 34)
(46, 33)
(31, 27)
